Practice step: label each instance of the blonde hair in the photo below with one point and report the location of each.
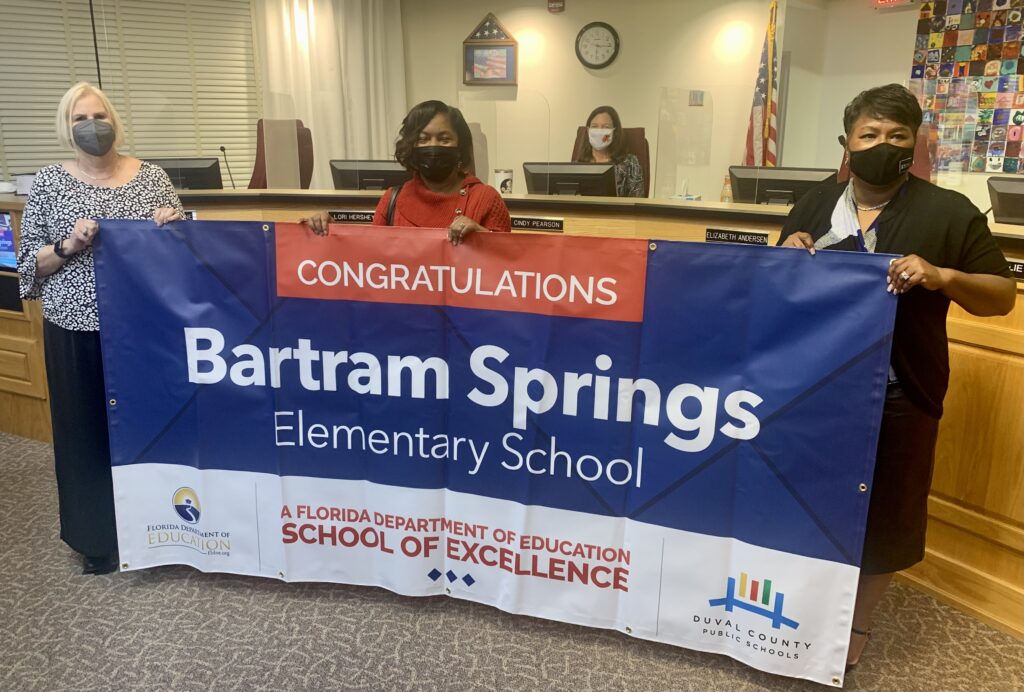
(67, 103)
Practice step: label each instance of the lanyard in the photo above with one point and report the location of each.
(861, 245)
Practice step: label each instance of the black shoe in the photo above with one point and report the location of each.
(99, 565)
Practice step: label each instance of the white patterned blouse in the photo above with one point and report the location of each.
(56, 201)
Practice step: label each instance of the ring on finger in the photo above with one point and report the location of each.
(905, 276)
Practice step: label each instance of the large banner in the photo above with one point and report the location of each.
(673, 440)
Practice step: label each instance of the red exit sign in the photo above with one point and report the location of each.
(893, 3)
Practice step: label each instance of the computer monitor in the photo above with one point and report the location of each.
(195, 173)
(8, 259)
(771, 185)
(368, 175)
(594, 179)
(1007, 195)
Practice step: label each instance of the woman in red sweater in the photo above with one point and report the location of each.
(435, 144)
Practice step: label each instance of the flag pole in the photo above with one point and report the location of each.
(766, 126)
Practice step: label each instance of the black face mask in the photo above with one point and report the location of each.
(882, 163)
(435, 163)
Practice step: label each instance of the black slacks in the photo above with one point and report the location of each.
(81, 446)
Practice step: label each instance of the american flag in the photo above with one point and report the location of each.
(490, 63)
(762, 132)
(489, 30)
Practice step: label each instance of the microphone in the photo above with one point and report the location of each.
(224, 152)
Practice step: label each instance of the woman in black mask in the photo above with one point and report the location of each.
(436, 146)
(946, 254)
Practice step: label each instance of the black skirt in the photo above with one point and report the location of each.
(81, 446)
(898, 511)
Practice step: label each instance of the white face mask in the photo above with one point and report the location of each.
(600, 137)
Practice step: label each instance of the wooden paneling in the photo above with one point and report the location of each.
(25, 416)
(979, 460)
(975, 548)
(14, 370)
(24, 403)
(971, 589)
(986, 554)
(13, 363)
(970, 521)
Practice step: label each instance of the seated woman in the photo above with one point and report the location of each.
(606, 143)
(435, 144)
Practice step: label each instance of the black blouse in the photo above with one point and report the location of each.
(945, 229)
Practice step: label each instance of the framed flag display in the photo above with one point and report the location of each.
(490, 55)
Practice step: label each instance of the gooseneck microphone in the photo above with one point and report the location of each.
(224, 152)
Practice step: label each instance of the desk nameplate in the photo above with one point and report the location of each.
(732, 235)
(1016, 267)
(351, 216)
(551, 224)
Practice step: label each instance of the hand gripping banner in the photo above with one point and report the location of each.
(673, 440)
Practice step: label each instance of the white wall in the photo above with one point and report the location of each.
(854, 47)
(836, 48)
(804, 45)
(665, 43)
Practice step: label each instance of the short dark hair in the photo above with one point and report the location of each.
(890, 102)
(617, 150)
(418, 118)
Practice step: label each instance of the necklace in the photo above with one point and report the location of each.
(874, 208)
(94, 178)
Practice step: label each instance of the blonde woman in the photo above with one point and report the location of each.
(55, 264)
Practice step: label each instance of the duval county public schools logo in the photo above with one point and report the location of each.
(751, 597)
(186, 504)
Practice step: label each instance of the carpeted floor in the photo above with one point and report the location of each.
(176, 628)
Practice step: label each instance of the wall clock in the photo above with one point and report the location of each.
(597, 45)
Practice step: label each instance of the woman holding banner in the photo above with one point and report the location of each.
(435, 144)
(946, 254)
(55, 264)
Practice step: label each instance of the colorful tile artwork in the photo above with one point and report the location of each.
(968, 73)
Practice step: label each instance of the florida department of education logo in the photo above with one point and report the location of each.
(186, 505)
(187, 534)
(755, 596)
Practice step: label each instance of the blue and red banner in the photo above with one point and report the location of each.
(669, 439)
